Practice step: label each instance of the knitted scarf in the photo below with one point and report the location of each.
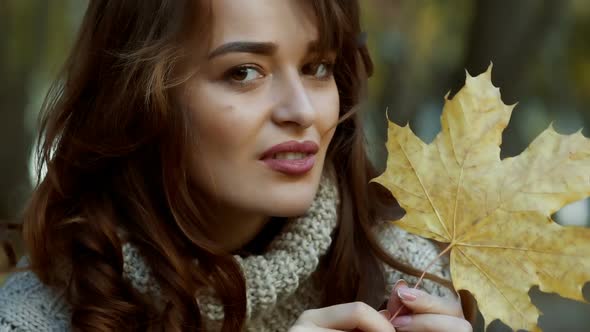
(289, 260)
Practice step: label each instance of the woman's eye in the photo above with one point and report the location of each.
(244, 74)
(320, 70)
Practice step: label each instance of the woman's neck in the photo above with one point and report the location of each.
(233, 232)
(261, 241)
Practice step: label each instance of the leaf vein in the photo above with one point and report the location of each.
(520, 249)
(491, 280)
(424, 189)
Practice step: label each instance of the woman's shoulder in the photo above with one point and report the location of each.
(26, 304)
(414, 251)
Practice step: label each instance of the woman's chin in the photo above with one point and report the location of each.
(291, 207)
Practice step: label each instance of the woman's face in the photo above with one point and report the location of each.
(264, 109)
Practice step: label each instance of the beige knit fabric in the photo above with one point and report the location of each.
(279, 282)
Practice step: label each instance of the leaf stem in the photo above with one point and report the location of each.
(449, 247)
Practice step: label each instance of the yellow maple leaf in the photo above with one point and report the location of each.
(495, 214)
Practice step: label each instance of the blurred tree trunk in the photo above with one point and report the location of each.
(510, 34)
(13, 97)
(22, 28)
(22, 32)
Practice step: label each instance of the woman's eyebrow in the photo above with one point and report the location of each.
(263, 48)
(313, 46)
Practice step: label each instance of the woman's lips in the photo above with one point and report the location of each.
(291, 166)
(282, 157)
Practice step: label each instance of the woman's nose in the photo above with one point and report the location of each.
(294, 104)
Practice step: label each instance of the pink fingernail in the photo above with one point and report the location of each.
(400, 282)
(402, 321)
(407, 294)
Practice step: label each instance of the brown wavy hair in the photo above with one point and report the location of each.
(115, 147)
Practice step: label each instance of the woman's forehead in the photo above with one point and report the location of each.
(283, 22)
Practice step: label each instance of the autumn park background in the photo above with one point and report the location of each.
(540, 50)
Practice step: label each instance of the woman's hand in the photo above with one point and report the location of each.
(423, 312)
(356, 316)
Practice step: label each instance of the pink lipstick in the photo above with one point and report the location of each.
(291, 158)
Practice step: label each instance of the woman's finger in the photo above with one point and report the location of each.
(347, 316)
(420, 302)
(431, 323)
(300, 328)
(395, 303)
